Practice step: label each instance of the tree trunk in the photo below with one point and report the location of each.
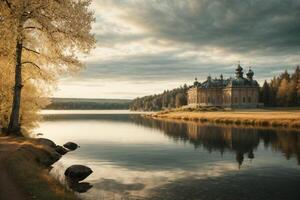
(14, 126)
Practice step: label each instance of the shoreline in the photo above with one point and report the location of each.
(26, 163)
(252, 118)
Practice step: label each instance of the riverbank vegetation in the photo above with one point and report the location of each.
(286, 118)
(282, 91)
(40, 41)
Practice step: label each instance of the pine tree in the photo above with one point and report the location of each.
(296, 79)
(292, 93)
(180, 100)
(265, 96)
(285, 76)
(273, 91)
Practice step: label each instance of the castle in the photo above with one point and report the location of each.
(238, 92)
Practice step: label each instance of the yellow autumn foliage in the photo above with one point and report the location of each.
(52, 34)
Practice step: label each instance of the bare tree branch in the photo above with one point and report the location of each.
(32, 63)
(31, 50)
(33, 27)
(8, 4)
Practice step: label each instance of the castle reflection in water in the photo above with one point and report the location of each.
(242, 141)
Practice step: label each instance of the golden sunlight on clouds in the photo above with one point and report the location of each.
(112, 89)
(171, 42)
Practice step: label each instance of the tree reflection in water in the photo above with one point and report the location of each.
(242, 141)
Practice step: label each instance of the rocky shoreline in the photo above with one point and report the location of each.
(29, 162)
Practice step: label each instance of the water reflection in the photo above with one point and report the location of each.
(138, 158)
(80, 187)
(242, 141)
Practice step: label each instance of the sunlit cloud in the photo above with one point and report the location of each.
(167, 42)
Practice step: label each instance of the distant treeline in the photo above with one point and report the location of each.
(282, 90)
(168, 99)
(88, 104)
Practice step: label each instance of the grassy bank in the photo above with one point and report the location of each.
(286, 118)
(25, 161)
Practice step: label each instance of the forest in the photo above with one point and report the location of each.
(281, 91)
(168, 99)
(88, 104)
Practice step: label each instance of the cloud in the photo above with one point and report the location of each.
(245, 26)
(160, 40)
(116, 186)
(217, 33)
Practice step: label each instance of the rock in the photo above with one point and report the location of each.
(61, 150)
(80, 187)
(43, 156)
(71, 146)
(49, 158)
(47, 142)
(76, 173)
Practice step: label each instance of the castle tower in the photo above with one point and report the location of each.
(239, 71)
(250, 74)
(209, 78)
(196, 83)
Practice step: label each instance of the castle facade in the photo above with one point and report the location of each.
(238, 92)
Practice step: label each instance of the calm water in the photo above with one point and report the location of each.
(137, 158)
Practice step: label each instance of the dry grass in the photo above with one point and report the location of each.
(254, 117)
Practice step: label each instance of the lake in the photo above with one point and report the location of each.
(139, 158)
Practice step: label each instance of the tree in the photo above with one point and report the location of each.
(285, 76)
(292, 93)
(296, 79)
(274, 88)
(168, 99)
(265, 94)
(180, 100)
(43, 40)
(282, 94)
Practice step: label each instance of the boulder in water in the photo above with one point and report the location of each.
(71, 146)
(61, 150)
(76, 173)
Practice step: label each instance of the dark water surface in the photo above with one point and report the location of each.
(137, 158)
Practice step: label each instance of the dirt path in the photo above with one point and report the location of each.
(8, 189)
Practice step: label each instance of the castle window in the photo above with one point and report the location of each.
(244, 100)
(208, 99)
(235, 99)
(249, 99)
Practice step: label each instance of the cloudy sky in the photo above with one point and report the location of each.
(147, 46)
